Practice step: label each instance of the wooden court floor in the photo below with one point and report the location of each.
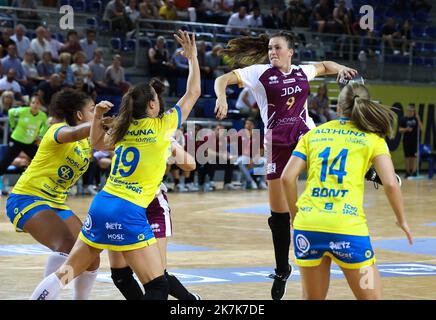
(232, 232)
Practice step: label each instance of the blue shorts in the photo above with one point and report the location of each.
(20, 208)
(350, 252)
(116, 224)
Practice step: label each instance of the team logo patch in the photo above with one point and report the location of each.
(65, 172)
(87, 225)
(368, 254)
(271, 168)
(302, 243)
(141, 237)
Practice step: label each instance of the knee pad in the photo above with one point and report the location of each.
(279, 221)
(121, 275)
(156, 289)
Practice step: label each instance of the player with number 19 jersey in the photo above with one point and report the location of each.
(338, 155)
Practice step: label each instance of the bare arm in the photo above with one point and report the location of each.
(183, 159)
(193, 88)
(329, 67)
(293, 169)
(97, 135)
(220, 86)
(385, 169)
(76, 133)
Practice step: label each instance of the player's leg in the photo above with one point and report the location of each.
(279, 223)
(122, 276)
(364, 282)
(316, 280)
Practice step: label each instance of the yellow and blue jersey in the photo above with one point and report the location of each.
(338, 155)
(140, 158)
(55, 168)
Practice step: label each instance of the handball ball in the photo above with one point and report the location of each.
(357, 79)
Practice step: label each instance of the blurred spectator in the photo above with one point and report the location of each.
(30, 69)
(205, 70)
(39, 45)
(273, 20)
(7, 101)
(342, 18)
(46, 66)
(420, 5)
(71, 45)
(98, 70)
(48, 88)
(255, 20)
(22, 42)
(323, 16)
(132, 11)
(55, 45)
(29, 18)
(320, 105)
(5, 41)
(8, 83)
(224, 6)
(296, 14)
(87, 88)
(160, 65)
(168, 11)
(182, 8)
(80, 68)
(214, 61)
(148, 10)
(115, 13)
(11, 61)
(406, 37)
(246, 104)
(239, 19)
(88, 44)
(249, 4)
(390, 35)
(181, 63)
(64, 65)
(369, 44)
(115, 76)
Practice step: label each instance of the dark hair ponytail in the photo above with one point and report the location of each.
(159, 87)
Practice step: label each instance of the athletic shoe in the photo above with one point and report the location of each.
(181, 188)
(229, 186)
(192, 187)
(278, 289)
(372, 175)
(196, 296)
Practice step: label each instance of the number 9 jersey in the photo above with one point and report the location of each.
(55, 168)
(140, 158)
(338, 155)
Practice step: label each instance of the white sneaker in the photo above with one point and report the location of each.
(253, 185)
(192, 187)
(197, 296)
(263, 185)
(181, 188)
(229, 186)
(92, 190)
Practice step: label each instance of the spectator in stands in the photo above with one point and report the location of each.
(86, 87)
(7, 101)
(11, 61)
(22, 42)
(296, 15)
(5, 41)
(342, 18)
(255, 20)
(206, 71)
(46, 66)
(132, 11)
(249, 4)
(215, 62)
(30, 17)
(81, 69)
(148, 10)
(406, 37)
(115, 13)
(48, 88)
(390, 35)
(8, 83)
(368, 46)
(206, 13)
(30, 70)
(168, 11)
(323, 16)
(224, 7)
(246, 104)
(55, 45)
(98, 70)
(239, 20)
(273, 20)
(321, 104)
(64, 66)
(181, 63)
(88, 44)
(160, 64)
(103, 160)
(39, 45)
(72, 45)
(182, 8)
(115, 76)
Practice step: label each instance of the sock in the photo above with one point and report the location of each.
(176, 288)
(156, 289)
(126, 283)
(48, 289)
(280, 226)
(54, 261)
(83, 285)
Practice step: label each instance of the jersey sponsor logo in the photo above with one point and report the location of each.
(146, 140)
(65, 172)
(43, 295)
(87, 225)
(290, 91)
(328, 193)
(271, 168)
(340, 131)
(286, 81)
(339, 245)
(115, 237)
(349, 210)
(140, 132)
(155, 227)
(72, 162)
(306, 209)
(287, 121)
(273, 80)
(344, 255)
(302, 243)
(141, 237)
(114, 226)
(328, 206)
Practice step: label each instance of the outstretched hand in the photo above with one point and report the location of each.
(404, 226)
(346, 73)
(188, 44)
(101, 108)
